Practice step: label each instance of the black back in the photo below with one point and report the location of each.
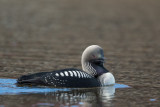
(61, 78)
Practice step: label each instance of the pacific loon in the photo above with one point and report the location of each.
(94, 74)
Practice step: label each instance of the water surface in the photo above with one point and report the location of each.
(46, 35)
(46, 96)
(110, 96)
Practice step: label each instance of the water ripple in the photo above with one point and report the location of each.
(8, 87)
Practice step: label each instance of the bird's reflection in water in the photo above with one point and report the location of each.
(57, 97)
(80, 97)
(105, 96)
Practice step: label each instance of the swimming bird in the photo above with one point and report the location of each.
(94, 74)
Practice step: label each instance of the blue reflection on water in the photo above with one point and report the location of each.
(7, 86)
(152, 99)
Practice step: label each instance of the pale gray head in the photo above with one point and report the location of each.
(93, 61)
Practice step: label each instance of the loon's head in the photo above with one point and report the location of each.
(93, 63)
(93, 60)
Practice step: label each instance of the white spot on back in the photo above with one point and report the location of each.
(81, 74)
(71, 74)
(66, 73)
(88, 75)
(57, 74)
(78, 74)
(74, 72)
(61, 74)
(84, 74)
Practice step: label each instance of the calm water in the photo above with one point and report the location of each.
(45, 35)
(13, 96)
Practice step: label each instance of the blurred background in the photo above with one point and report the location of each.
(46, 35)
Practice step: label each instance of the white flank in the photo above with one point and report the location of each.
(107, 79)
